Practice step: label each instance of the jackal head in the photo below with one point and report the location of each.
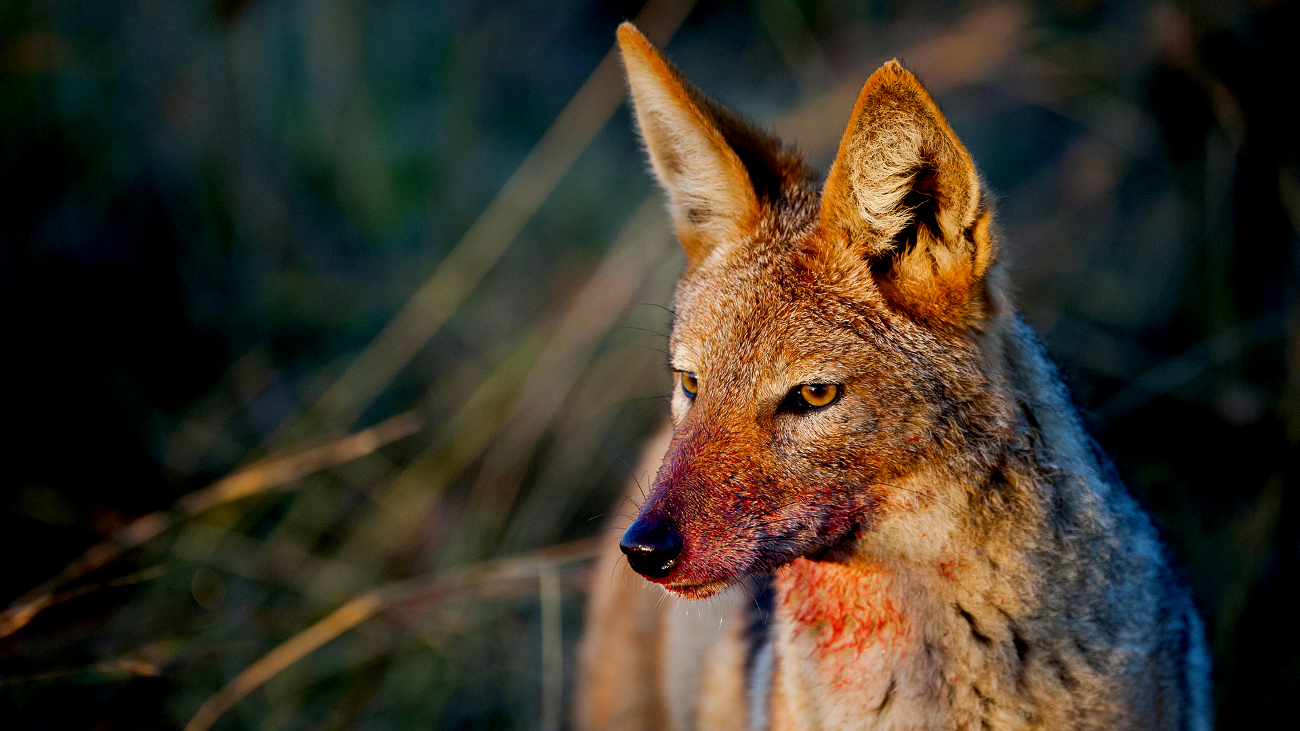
(825, 337)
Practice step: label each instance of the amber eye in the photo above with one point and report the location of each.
(690, 384)
(819, 394)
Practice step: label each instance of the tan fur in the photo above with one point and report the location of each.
(944, 547)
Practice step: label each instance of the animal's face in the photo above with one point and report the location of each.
(817, 336)
(776, 451)
(794, 405)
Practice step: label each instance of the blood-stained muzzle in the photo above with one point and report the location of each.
(694, 534)
(716, 514)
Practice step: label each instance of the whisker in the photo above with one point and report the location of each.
(640, 488)
(641, 399)
(652, 304)
(642, 329)
(744, 585)
(662, 596)
(630, 472)
(611, 572)
(920, 493)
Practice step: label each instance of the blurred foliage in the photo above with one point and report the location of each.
(214, 207)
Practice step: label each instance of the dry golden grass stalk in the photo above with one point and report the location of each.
(258, 477)
(489, 236)
(418, 590)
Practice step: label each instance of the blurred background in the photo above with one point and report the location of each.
(333, 327)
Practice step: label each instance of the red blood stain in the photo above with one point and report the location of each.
(948, 570)
(847, 609)
(805, 277)
(914, 439)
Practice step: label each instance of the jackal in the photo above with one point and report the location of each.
(874, 471)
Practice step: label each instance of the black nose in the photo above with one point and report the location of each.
(652, 545)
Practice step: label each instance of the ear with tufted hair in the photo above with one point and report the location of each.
(904, 193)
(717, 169)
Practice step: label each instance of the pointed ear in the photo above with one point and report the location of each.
(716, 168)
(904, 194)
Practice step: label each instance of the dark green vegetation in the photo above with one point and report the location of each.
(212, 208)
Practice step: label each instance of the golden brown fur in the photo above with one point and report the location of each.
(943, 546)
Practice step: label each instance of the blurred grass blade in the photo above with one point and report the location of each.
(258, 477)
(489, 236)
(1183, 368)
(477, 429)
(592, 313)
(537, 564)
(20, 614)
(972, 48)
(286, 468)
(552, 648)
(334, 624)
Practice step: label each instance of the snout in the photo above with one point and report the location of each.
(652, 544)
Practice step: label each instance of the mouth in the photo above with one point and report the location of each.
(827, 547)
(703, 587)
(703, 562)
(704, 590)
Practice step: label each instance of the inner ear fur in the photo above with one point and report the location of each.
(718, 170)
(903, 193)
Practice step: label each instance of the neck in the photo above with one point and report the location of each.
(971, 573)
